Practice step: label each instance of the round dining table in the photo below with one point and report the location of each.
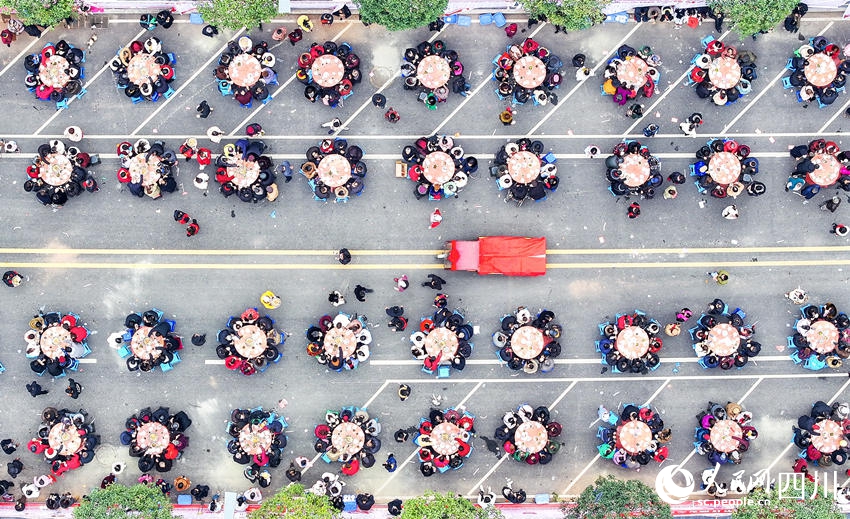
(531, 437)
(54, 72)
(527, 342)
(725, 435)
(441, 340)
(724, 167)
(56, 169)
(632, 71)
(829, 438)
(337, 338)
(524, 167)
(723, 340)
(143, 68)
(444, 438)
(438, 167)
(145, 170)
(244, 70)
(821, 70)
(828, 172)
(54, 340)
(634, 436)
(724, 72)
(632, 342)
(144, 346)
(348, 438)
(64, 439)
(328, 70)
(822, 336)
(334, 170)
(244, 172)
(433, 72)
(529, 72)
(635, 170)
(250, 341)
(153, 437)
(255, 439)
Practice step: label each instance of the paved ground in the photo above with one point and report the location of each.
(600, 263)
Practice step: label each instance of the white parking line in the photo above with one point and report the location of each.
(834, 117)
(471, 491)
(279, 90)
(407, 460)
(88, 83)
(487, 80)
(764, 90)
(603, 62)
(203, 67)
(667, 91)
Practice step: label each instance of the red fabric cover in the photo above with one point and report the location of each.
(512, 256)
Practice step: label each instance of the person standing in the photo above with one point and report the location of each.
(435, 282)
(193, 228)
(74, 389)
(634, 210)
(12, 279)
(391, 463)
(507, 117)
(360, 293)
(254, 130)
(839, 229)
(204, 110)
(8, 445)
(344, 256)
(401, 283)
(35, 389)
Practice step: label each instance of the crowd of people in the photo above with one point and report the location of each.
(634, 437)
(724, 168)
(245, 71)
(258, 439)
(66, 439)
(149, 341)
(721, 73)
(821, 337)
(55, 74)
(527, 72)
(524, 169)
(157, 438)
(243, 169)
(443, 440)
(348, 436)
(529, 434)
(147, 168)
(630, 74)
(443, 339)
(56, 342)
(723, 339)
(329, 72)
(249, 343)
(59, 172)
(822, 436)
(527, 342)
(340, 342)
(335, 170)
(723, 433)
(631, 343)
(144, 70)
(432, 71)
(817, 71)
(819, 164)
(438, 166)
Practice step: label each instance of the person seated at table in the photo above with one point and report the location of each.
(733, 94)
(807, 93)
(828, 95)
(243, 96)
(705, 89)
(806, 166)
(798, 79)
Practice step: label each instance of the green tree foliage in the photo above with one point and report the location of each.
(610, 498)
(433, 505)
(574, 15)
(769, 505)
(235, 14)
(122, 502)
(750, 17)
(293, 502)
(399, 15)
(46, 13)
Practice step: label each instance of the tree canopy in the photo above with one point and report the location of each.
(399, 15)
(120, 502)
(770, 505)
(296, 503)
(573, 15)
(46, 13)
(610, 497)
(235, 14)
(434, 505)
(749, 17)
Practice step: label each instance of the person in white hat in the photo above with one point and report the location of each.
(215, 134)
(74, 133)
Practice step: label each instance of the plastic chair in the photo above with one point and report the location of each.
(172, 59)
(464, 21)
(708, 39)
(138, 99)
(499, 20)
(81, 93)
(786, 82)
(196, 18)
(165, 367)
(443, 371)
(485, 19)
(169, 93)
(451, 19)
(250, 103)
(62, 105)
(124, 351)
